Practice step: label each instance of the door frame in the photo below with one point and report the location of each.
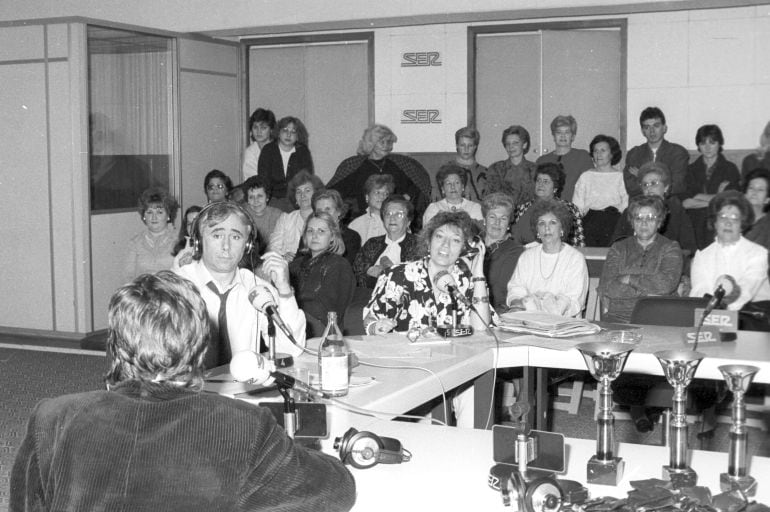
(619, 23)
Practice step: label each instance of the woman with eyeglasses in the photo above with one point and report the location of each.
(217, 186)
(710, 174)
(646, 263)
(395, 246)
(452, 180)
(655, 180)
(281, 159)
(734, 262)
(549, 182)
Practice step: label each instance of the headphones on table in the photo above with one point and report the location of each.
(232, 208)
(363, 450)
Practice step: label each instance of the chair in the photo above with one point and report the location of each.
(671, 311)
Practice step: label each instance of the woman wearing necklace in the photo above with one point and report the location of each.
(551, 276)
(452, 180)
(407, 296)
(375, 157)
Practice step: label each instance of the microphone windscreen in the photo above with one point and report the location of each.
(261, 297)
(246, 366)
(443, 280)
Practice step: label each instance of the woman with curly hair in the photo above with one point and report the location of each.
(150, 250)
(282, 159)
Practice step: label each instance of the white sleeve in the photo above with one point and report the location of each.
(517, 286)
(579, 196)
(576, 281)
(755, 272)
(277, 240)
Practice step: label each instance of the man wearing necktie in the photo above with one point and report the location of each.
(222, 234)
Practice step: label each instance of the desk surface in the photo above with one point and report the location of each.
(449, 469)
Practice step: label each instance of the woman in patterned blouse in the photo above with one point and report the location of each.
(415, 293)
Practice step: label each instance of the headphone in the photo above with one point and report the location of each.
(195, 238)
(363, 450)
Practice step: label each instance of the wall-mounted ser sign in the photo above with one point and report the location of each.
(420, 59)
(421, 116)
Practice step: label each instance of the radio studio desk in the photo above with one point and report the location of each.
(449, 465)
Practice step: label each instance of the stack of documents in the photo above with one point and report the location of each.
(546, 324)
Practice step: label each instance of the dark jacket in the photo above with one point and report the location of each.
(370, 253)
(154, 446)
(271, 166)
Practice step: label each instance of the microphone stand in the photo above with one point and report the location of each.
(279, 360)
(289, 412)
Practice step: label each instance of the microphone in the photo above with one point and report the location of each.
(262, 300)
(446, 284)
(246, 366)
(719, 294)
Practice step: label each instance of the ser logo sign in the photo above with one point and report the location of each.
(421, 116)
(420, 59)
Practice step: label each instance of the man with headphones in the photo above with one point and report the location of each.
(222, 233)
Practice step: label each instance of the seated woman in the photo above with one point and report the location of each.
(646, 263)
(600, 193)
(737, 264)
(466, 143)
(288, 229)
(756, 187)
(550, 276)
(655, 180)
(549, 182)
(217, 186)
(186, 229)
(710, 174)
(502, 251)
(322, 279)
(330, 201)
(382, 252)
(264, 216)
(261, 126)
(452, 180)
(282, 159)
(369, 224)
(150, 250)
(515, 175)
(375, 156)
(407, 295)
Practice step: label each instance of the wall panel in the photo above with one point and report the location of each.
(25, 231)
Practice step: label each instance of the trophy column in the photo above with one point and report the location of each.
(738, 378)
(679, 368)
(605, 361)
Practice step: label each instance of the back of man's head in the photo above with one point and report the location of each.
(158, 331)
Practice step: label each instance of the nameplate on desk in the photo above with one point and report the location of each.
(706, 335)
(722, 319)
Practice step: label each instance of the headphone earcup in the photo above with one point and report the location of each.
(196, 246)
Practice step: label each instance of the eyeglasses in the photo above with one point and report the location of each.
(728, 218)
(215, 186)
(397, 214)
(645, 218)
(649, 184)
(544, 181)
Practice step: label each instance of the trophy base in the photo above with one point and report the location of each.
(746, 484)
(680, 478)
(605, 472)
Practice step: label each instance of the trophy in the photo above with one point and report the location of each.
(679, 368)
(605, 361)
(738, 378)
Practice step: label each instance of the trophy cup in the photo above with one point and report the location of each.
(605, 361)
(679, 368)
(738, 378)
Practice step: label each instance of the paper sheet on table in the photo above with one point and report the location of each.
(392, 347)
(546, 324)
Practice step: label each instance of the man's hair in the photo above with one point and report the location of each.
(652, 113)
(158, 331)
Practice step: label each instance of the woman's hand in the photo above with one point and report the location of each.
(374, 271)
(277, 268)
(289, 257)
(476, 262)
(383, 326)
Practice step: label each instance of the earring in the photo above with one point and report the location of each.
(168, 219)
(144, 218)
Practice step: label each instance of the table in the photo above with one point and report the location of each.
(449, 469)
